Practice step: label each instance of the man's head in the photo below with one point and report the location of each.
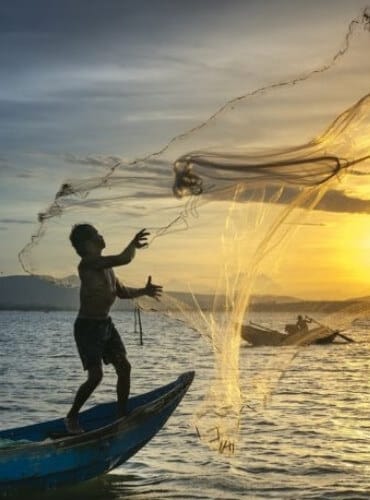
(86, 240)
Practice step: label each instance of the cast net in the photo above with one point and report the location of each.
(226, 203)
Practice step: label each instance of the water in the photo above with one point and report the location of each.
(312, 441)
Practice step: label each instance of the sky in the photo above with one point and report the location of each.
(87, 80)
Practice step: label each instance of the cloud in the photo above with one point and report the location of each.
(10, 170)
(93, 160)
(153, 178)
(6, 168)
(43, 32)
(338, 201)
(333, 200)
(126, 76)
(153, 166)
(15, 221)
(26, 175)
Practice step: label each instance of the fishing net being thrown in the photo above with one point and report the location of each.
(224, 203)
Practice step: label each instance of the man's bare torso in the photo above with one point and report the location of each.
(98, 291)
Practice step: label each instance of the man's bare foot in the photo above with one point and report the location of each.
(72, 425)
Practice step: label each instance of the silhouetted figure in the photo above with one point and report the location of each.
(96, 336)
(302, 324)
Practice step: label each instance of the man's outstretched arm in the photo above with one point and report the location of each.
(125, 292)
(125, 257)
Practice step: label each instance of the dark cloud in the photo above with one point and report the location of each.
(65, 65)
(338, 201)
(127, 75)
(97, 75)
(52, 31)
(332, 201)
(157, 174)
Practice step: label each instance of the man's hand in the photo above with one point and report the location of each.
(154, 291)
(141, 239)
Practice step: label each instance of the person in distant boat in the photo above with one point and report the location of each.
(302, 323)
(95, 334)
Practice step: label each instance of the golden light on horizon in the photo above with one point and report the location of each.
(331, 261)
(358, 258)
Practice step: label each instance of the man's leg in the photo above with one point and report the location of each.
(123, 370)
(95, 374)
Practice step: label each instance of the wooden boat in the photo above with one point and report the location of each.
(317, 335)
(258, 335)
(32, 460)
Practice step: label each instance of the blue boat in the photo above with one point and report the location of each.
(43, 456)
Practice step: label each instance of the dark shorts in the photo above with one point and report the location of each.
(97, 340)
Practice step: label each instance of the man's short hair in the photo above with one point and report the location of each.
(79, 235)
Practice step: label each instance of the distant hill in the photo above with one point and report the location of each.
(29, 292)
(36, 293)
(272, 303)
(274, 299)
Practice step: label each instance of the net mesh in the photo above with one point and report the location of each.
(223, 202)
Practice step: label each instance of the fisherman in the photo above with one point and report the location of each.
(95, 334)
(302, 323)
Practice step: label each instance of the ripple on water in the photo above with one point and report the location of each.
(311, 441)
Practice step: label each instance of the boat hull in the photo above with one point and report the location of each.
(50, 463)
(260, 337)
(317, 335)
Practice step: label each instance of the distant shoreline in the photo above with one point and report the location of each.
(32, 293)
(296, 307)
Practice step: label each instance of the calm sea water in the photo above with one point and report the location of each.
(311, 441)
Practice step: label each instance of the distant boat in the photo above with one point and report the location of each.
(258, 335)
(42, 456)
